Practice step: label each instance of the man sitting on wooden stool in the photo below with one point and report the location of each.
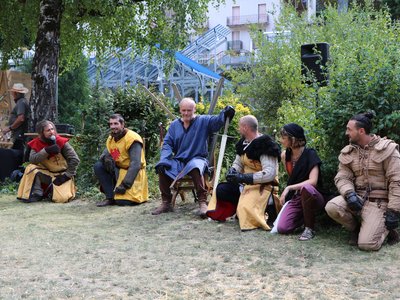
(185, 151)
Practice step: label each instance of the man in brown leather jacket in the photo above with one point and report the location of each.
(368, 181)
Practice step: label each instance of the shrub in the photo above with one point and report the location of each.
(363, 69)
(140, 114)
(233, 134)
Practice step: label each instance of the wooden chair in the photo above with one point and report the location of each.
(184, 184)
(181, 186)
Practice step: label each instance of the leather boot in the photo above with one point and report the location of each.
(203, 207)
(353, 240)
(106, 202)
(163, 208)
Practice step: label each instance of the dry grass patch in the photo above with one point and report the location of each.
(80, 251)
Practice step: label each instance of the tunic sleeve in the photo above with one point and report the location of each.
(269, 169)
(216, 122)
(37, 157)
(168, 146)
(72, 159)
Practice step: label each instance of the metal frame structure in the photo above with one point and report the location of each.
(124, 67)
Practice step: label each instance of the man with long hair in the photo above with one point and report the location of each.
(53, 164)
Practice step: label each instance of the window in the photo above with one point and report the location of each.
(235, 35)
(262, 13)
(235, 15)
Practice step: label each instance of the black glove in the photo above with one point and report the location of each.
(121, 189)
(53, 149)
(354, 201)
(233, 177)
(229, 112)
(392, 219)
(160, 168)
(60, 179)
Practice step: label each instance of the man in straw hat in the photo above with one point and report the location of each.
(18, 121)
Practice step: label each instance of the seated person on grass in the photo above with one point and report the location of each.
(53, 164)
(121, 169)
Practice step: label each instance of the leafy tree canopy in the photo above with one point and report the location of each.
(97, 25)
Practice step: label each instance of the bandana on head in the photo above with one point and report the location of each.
(295, 130)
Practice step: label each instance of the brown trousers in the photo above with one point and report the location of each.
(372, 228)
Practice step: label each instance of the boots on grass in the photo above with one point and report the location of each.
(163, 208)
(106, 202)
(393, 237)
(203, 207)
(353, 240)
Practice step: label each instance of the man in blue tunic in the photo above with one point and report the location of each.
(185, 151)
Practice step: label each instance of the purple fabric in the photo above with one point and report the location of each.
(291, 217)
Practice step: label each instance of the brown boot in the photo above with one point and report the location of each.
(202, 209)
(163, 208)
(106, 202)
(353, 240)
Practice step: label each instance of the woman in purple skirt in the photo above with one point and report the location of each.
(302, 197)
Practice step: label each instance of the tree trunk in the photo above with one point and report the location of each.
(43, 100)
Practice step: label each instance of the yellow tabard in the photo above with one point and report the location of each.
(52, 166)
(120, 152)
(254, 199)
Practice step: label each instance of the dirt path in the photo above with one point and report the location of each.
(79, 251)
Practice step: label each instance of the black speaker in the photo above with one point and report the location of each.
(313, 59)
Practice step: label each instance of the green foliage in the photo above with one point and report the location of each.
(140, 114)
(102, 24)
(394, 8)
(8, 187)
(15, 21)
(73, 95)
(233, 134)
(90, 143)
(364, 75)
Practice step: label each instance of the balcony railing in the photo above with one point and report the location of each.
(250, 19)
(236, 45)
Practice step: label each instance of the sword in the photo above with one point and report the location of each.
(159, 102)
(176, 92)
(221, 153)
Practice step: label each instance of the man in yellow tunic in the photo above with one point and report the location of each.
(121, 169)
(251, 190)
(53, 164)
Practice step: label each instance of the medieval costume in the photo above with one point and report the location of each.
(301, 205)
(49, 175)
(126, 153)
(184, 151)
(256, 204)
(373, 173)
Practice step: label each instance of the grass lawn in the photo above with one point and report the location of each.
(79, 251)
